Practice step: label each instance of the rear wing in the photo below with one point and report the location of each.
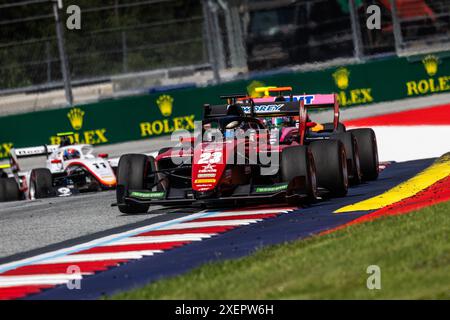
(322, 101)
(311, 101)
(272, 109)
(44, 150)
(29, 157)
(254, 109)
(316, 100)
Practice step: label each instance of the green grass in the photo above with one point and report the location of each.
(412, 250)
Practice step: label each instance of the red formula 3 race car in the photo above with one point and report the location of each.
(234, 158)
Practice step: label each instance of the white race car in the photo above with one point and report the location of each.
(69, 169)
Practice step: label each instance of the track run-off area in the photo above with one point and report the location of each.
(82, 248)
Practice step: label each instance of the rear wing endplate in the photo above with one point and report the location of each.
(322, 101)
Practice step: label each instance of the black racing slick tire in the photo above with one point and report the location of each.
(131, 174)
(352, 151)
(298, 169)
(331, 166)
(330, 127)
(368, 152)
(9, 190)
(41, 184)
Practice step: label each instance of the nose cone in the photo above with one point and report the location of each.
(206, 176)
(208, 166)
(105, 175)
(109, 181)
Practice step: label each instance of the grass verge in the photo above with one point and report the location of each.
(412, 250)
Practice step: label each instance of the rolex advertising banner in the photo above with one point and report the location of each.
(156, 114)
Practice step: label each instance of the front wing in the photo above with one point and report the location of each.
(255, 193)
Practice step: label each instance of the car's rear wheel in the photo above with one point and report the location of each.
(352, 153)
(368, 152)
(331, 166)
(41, 184)
(131, 175)
(298, 169)
(9, 190)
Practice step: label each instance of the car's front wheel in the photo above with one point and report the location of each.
(331, 165)
(298, 169)
(131, 174)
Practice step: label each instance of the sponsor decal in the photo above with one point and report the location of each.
(341, 78)
(165, 105)
(96, 136)
(432, 84)
(206, 175)
(64, 192)
(148, 195)
(271, 189)
(309, 99)
(75, 116)
(350, 97)
(264, 108)
(76, 119)
(205, 181)
(430, 64)
(164, 126)
(5, 148)
(107, 177)
(209, 168)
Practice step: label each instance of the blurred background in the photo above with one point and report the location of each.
(129, 46)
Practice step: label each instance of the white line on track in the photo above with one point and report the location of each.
(51, 279)
(161, 239)
(217, 223)
(102, 256)
(255, 211)
(244, 213)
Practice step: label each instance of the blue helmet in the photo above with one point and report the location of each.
(70, 154)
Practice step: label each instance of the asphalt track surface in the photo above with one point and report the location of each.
(29, 225)
(238, 242)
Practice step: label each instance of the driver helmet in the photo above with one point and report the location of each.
(70, 154)
(232, 125)
(230, 129)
